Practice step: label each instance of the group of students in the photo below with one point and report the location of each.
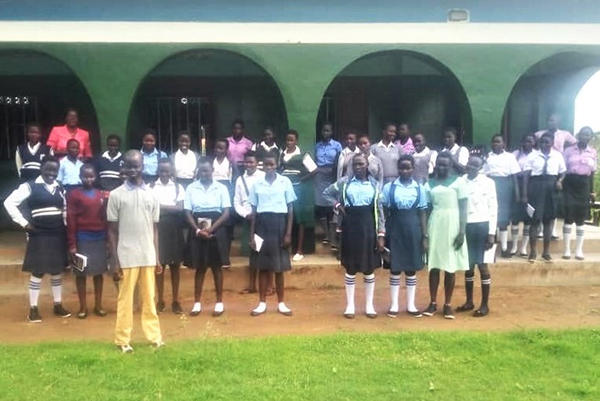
(395, 204)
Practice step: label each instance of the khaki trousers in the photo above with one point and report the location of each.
(144, 276)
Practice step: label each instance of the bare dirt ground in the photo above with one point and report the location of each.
(555, 296)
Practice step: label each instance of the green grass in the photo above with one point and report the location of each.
(527, 365)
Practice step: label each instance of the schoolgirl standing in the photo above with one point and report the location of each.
(482, 217)
(291, 165)
(242, 206)
(347, 154)
(70, 166)
(519, 212)
(46, 251)
(581, 161)
(358, 200)
(184, 161)
(151, 156)
(327, 152)
(267, 147)
(446, 228)
(87, 235)
(223, 172)
(206, 207)
(424, 159)
(502, 167)
(405, 202)
(109, 165)
(29, 156)
(272, 217)
(170, 195)
(460, 154)
(388, 152)
(543, 176)
(375, 164)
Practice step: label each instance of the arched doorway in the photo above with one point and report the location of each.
(397, 86)
(551, 86)
(37, 87)
(586, 104)
(203, 91)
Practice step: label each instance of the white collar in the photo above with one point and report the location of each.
(51, 187)
(33, 150)
(454, 149)
(106, 155)
(295, 152)
(425, 151)
(391, 145)
(169, 184)
(188, 154)
(267, 147)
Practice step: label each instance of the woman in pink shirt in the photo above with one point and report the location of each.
(578, 188)
(60, 135)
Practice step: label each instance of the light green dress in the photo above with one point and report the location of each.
(444, 225)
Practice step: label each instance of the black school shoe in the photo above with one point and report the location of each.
(60, 311)
(431, 309)
(34, 315)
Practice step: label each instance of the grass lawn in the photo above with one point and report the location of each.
(526, 365)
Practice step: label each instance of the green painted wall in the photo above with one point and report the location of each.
(112, 73)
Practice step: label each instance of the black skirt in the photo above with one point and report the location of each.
(576, 189)
(543, 196)
(359, 240)
(208, 252)
(519, 209)
(476, 235)
(170, 238)
(404, 240)
(97, 263)
(272, 255)
(46, 252)
(505, 194)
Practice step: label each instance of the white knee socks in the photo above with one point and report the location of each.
(350, 283)
(514, 233)
(580, 236)
(567, 240)
(394, 292)
(411, 289)
(56, 283)
(503, 240)
(35, 284)
(369, 293)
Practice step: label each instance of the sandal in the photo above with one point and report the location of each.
(481, 312)
(532, 257)
(465, 307)
(547, 257)
(82, 314)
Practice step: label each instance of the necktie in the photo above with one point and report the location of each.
(545, 169)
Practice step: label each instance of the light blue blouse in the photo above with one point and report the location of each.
(201, 200)
(68, 172)
(358, 193)
(325, 153)
(151, 161)
(404, 196)
(272, 198)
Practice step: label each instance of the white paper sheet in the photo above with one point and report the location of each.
(530, 210)
(309, 163)
(258, 241)
(489, 256)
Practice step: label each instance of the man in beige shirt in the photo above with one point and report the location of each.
(133, 215)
